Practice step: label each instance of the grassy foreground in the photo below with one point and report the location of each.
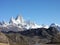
(40, 44)
(3, 44)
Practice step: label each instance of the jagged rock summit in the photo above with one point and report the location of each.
(20, 23)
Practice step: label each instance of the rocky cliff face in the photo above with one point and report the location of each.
(31, 36)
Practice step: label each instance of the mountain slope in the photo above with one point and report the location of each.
(21, 32)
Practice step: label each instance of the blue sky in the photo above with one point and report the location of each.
(39, 11)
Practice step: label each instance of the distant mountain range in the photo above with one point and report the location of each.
(20, 23)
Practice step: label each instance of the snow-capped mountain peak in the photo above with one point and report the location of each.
(55, 26)
(12, 20)
(19, 19)
(21, 23)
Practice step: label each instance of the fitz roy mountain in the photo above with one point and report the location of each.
(21, 32)
(19, 22)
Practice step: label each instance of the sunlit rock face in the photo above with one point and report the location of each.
(3, 38)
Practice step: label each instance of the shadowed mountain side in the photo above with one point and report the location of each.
(33, 36)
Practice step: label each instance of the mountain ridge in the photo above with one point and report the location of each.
(21, 23)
